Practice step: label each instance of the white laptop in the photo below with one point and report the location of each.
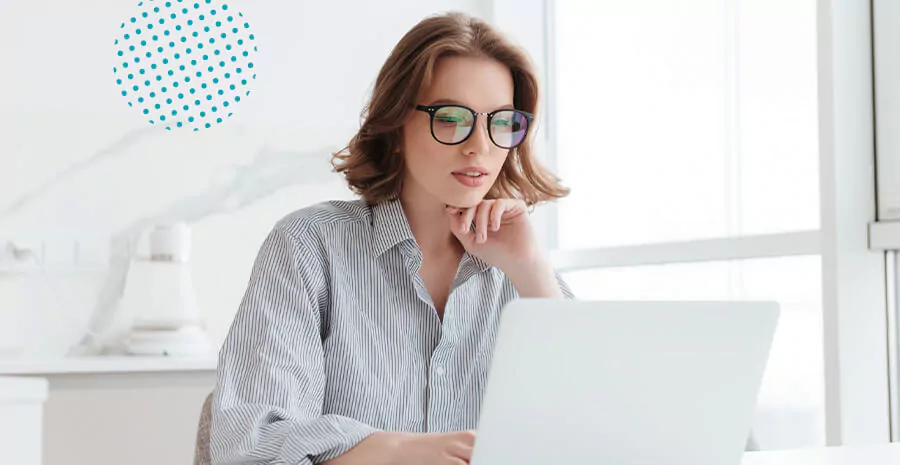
(624, 383)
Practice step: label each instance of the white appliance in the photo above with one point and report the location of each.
(159, 294)
(21, 419)
(624, 383)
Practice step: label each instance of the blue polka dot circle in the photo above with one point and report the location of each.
(185, 64)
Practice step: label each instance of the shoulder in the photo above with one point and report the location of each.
(324, 218)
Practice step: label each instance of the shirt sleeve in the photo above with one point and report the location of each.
(270, 386)
(564, 287)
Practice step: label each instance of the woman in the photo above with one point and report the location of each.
(366, 324)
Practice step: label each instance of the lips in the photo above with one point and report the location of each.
(471, 171)
(471, 176)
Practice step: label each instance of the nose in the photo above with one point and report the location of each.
(479, 142)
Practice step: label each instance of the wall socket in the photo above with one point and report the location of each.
(17, 257)
(52, 254)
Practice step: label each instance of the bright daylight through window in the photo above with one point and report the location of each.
(687, 121)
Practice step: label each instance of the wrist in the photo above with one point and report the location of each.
(513, 262)
(524, 266)
(379, 448)
(535, 278)
(390, 447)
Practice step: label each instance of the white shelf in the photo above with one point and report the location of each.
(106, 364)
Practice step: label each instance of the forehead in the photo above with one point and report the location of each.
(481, 83)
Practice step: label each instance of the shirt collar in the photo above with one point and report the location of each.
(390, 225)
(391, 228)
(473, 261)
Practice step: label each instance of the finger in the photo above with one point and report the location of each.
(457, 227)
(455, 217)
(481, 220)
(461, 451)
(468, 215)
(513, 209)
(497, 215)
(466, 437)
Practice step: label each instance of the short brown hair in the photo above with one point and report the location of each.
(372, 162)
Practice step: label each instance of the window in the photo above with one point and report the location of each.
(688, 131)
(685, 120)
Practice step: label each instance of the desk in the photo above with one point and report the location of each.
(881, 454)
(144, 410)
(21, 412)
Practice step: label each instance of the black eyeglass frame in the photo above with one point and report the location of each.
(432, 109)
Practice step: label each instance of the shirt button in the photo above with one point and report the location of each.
(439, 370)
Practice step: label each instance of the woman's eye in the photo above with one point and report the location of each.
(502, 122)
(446, 119)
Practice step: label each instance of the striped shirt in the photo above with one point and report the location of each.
(336, 337)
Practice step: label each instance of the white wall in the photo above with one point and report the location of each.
(78, 165)
(81, 165)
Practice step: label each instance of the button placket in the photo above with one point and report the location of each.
(413, 260)
(438, 386)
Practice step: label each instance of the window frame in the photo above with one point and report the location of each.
(858, 305)
(884, 233)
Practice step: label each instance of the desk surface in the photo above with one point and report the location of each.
(881, 454)
(105, 364)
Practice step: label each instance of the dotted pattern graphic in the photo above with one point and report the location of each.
(185, 63)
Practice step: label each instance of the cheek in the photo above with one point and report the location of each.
(498, 158)
(416, 137)
(422, 153)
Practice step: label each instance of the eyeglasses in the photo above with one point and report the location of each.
(453, 124)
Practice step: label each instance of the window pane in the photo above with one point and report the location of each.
(791, 405)
(777, 103)
(678, 123)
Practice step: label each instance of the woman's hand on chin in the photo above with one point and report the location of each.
(499, 232)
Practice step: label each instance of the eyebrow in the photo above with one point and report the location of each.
(447, 101)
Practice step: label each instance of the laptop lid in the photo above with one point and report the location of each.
(624, 383)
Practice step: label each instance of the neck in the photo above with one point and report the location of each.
(429, 224)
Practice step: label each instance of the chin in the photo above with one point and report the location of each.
(468, 200)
